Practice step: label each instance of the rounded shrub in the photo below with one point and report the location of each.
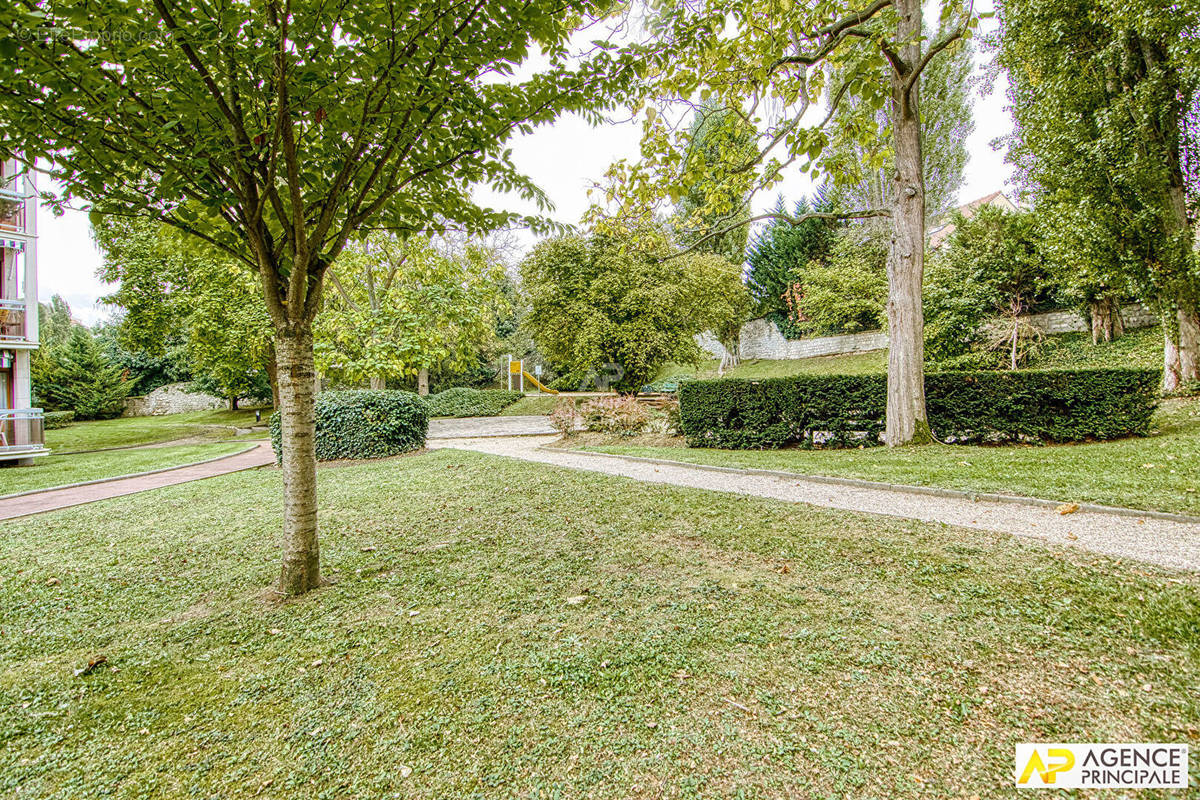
(363, 424)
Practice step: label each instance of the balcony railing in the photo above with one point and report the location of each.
(12, 321)
(21, 431)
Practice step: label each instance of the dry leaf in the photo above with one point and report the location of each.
(1068, 508)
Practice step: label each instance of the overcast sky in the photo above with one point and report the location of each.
(564, 159)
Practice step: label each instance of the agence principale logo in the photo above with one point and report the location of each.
(1101, 766)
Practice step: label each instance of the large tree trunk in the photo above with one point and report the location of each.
(423, 382)
(906, 419)
(378, 382)
(1188, 320)
(1107, 324)
(301, 569)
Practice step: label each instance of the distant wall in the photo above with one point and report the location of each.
(172, 398)
(761, 338)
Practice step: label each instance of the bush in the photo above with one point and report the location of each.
(363, 424)
(569, 382)
(614, 415)
(464, 402)
(565, 417)
(57, 419)
(964, 407)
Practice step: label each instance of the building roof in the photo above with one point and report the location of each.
(939, 235)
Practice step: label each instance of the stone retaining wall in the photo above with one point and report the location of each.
(760, 338)
(173, 398)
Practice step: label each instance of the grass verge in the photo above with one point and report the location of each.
(584, 636)
(130, 431)
(1156, 472)
(55, 470)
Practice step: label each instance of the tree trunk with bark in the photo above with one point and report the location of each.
(1105, 313)
(423, 381)
(906, 418)
(301, 569)
(378, 382)
(233, 404)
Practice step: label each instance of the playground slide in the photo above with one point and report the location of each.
(538, 383)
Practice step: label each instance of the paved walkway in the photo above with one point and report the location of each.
(37, 502)
(1164, 542)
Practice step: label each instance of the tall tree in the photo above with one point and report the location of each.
(863, 164)
(781, 247)
(276, 130)
(1101, 92)
(775, 62)
(717, 135)
(403, 307)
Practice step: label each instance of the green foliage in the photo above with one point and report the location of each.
(229, 336)
(467, 402)
(53, 420)
(405, 305)
(993, 265)
(718, 135)
(363, 424)
(607, 301)
(79, 378)
(779, 249)
(846, 292)
(964, 407)
(1100, 92)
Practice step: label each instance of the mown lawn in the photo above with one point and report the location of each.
(55, 470)
(127, 431)
(500, 629)
(1157, 472)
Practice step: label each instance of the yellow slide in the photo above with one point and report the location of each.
(517, 368)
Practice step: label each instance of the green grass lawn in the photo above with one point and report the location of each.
(498, 629)
(1157, 472)
(127, 431)
(55, 470)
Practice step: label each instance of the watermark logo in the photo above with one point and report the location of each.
(1101, 766)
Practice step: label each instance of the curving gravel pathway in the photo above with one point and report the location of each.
(1167, 543)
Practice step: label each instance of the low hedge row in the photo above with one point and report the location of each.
(363, 424)
(466, 402)
(963, 407)
(52, 420)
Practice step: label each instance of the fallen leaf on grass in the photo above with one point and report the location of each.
(91, 666)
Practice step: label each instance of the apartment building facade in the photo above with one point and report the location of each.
(21, 425)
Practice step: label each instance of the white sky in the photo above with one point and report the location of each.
(564, 159)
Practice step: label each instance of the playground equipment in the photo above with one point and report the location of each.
(516, 367)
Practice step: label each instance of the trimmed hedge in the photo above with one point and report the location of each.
(52, 420)
(964, 408)
(465, 402)
(363, 424)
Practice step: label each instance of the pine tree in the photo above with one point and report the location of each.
(780, 249)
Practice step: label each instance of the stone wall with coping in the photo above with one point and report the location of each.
(760, 338)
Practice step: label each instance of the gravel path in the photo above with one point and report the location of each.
(1166, 543)
(448, 428)
(54, 499)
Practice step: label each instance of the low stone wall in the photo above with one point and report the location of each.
(760, 338)
(173, 398)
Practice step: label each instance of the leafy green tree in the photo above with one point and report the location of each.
(774, 62)
(81, 379)
(844, 292)
(149, 371)
(717, 135)
(993, 265)
(600, 306)
(863, 164)
(54, 331)
(1101, 92)
(277, 131)
(782, 247)
(403, 307)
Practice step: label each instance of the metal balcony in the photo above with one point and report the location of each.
(12, 322)
(22, 433)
